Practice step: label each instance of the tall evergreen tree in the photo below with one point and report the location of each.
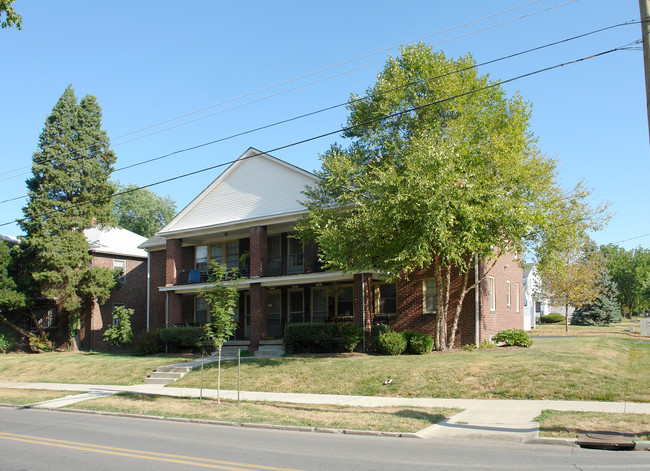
(70, 188)
(605, 309)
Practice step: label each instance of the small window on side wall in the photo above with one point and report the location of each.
(429, 296)
(120, 267)
(492, 292)
(508, 295)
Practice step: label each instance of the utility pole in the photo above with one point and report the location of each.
(644, 9)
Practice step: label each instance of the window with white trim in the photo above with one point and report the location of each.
(429, 296)
(492, 293)
(517, 298)
(201, 257)
(386, 299)
(120, 266)
(508, 295)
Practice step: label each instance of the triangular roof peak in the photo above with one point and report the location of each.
(254, 186)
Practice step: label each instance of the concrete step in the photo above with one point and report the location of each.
(166, 375)
(174, 369)
(269, 351)
(157, 381)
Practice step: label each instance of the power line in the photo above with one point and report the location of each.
(338, 131)
(329, 108)
(320, 71)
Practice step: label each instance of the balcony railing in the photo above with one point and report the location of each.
(292, 265)
(185, 277)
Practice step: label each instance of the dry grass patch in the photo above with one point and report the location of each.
(567, 424)
(618, 330)
(391, 419)
(86, 368)
(29, 396)
(581, 368)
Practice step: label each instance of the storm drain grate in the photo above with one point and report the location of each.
(606, 440)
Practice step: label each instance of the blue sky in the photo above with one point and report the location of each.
(152, 61)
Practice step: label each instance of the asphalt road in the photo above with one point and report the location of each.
(41, 440)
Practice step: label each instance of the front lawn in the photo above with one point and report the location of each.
(582, 368)
(29, 396)
(567, 424)
(389, 419)
(85, 368)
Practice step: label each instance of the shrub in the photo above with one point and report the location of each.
(391, 343)
(348, 336)
(468, 347)
(513, 337)
(179, 338)
(120, 332)
(149, 343)
(484, 344)
(418, 343)
(311, 337)
(7, 340)
(376, 330)
(38, 344)
(552, 318)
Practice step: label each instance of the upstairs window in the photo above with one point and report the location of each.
(120, 267)
(201, 257)
(508, 295)
(492, 293)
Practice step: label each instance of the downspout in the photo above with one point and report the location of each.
(477, 306)
(166, 308)
(363, 311)
(148, 286)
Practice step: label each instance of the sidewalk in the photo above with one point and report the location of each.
(481, 419)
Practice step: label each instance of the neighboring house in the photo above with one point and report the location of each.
(246, 219)
(534, 306)
(117, 249)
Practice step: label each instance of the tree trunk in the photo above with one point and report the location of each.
(219, 375)
(566, 317)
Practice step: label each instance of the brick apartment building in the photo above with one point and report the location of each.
(117, 249)
(245, 219)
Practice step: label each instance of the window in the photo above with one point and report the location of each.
(491, 289)
(201, 257)
(225, 252)
(120, 266)
(274, 313)
(508, 296)
(319, 304)
(274, 255)
(429, 296)
(296, 306)
(386, 295)
(200, 310)
(344, 302)
(517, 298)
(115, 306)
(296, 258)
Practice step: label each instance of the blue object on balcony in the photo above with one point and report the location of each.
(195, 276)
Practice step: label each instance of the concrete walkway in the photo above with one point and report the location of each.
(482, 419)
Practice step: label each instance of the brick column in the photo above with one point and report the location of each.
(259, 304)
(174, 309)
(258, 251)
(174, 260)
(358, 298)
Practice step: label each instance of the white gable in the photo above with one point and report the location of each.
(255, 186)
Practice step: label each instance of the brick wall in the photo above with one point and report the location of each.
(503, 317)
(174, 254)
(158, 260)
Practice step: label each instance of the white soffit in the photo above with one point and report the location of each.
(256, 185)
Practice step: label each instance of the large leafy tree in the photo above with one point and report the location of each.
(630, 270)
(442, 168)
(70, 188)
(141, 210)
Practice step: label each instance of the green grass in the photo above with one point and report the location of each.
(86, 368)
(618, 330)
(390, 419)
(582, 368)
(29, 396)
(567, 424)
